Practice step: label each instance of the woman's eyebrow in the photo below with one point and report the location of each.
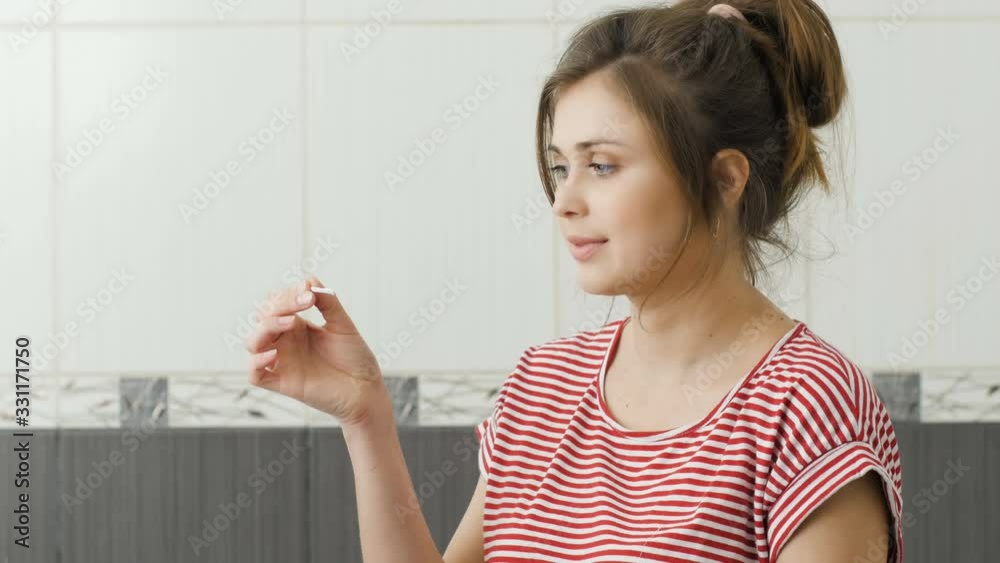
(583, 145)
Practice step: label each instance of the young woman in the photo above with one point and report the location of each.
(705, 426)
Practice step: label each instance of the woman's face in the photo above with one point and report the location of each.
(611, 186)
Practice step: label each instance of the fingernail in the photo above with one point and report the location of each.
(304, 298)
(285, 320)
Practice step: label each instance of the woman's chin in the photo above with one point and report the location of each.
(596, 283)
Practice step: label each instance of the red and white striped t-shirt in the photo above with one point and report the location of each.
(566, 482)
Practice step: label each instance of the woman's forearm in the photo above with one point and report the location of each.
(392, 525)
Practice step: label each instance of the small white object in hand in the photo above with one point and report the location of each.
(325, 290)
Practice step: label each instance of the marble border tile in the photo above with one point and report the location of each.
(89, 401)
(427, 399)
(900, 392)
(458, 399)
(405, 393)
(214, 400)
(43, 402)
(144, 402)
(960, 396)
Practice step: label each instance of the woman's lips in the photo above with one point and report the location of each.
(585, 250)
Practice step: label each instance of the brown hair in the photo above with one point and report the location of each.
(703, 83)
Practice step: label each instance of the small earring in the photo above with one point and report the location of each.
(718, 225)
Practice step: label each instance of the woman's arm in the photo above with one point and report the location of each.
(330, 368)
(853, 525)
(392, 525)
(467, 542)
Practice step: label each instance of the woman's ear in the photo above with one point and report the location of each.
(730, 171)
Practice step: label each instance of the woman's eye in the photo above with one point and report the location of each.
(559, 171)
(602, 169)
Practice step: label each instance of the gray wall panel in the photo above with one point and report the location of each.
(444, 475)
(991, 492)
(164, 492)
(101, 526)
(443, 468)
(333, 520)
(907, 434)
(44, 507)
(173, 483)
(951, 515)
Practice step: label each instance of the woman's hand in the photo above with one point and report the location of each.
(328, 367)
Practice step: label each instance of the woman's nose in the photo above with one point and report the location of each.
(567, 200)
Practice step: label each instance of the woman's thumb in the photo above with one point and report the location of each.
(331, 308)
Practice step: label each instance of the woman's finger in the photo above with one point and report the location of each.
(331, 308)
(269, 329)
(258, 367)
(287, 301)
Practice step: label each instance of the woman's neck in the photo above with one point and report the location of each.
(673, 336)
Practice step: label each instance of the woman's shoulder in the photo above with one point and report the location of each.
(588, 333)
(585, 341)
(809, 374)
(576, 355)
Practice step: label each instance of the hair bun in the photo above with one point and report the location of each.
(813, 73)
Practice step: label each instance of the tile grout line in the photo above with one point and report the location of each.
(324, 22)
(376, 323)
(304, 98)
(54, 193)
(919, 399)
(60, 524)
(304, 111)
(251, 24)
(554, 233)
(60, 535)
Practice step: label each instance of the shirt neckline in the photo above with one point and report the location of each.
(647, 436)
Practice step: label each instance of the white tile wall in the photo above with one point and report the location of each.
(200, 11)
(577, 11)
(966, 251)
(448, 222)
(887, 275)
(120, 209)
(316, 199)
(25, 217)
(891, 12)
(28, 15)
(900, 12)
(378, 11)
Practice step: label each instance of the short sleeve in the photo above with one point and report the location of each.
(833, 429)
(486, 430)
